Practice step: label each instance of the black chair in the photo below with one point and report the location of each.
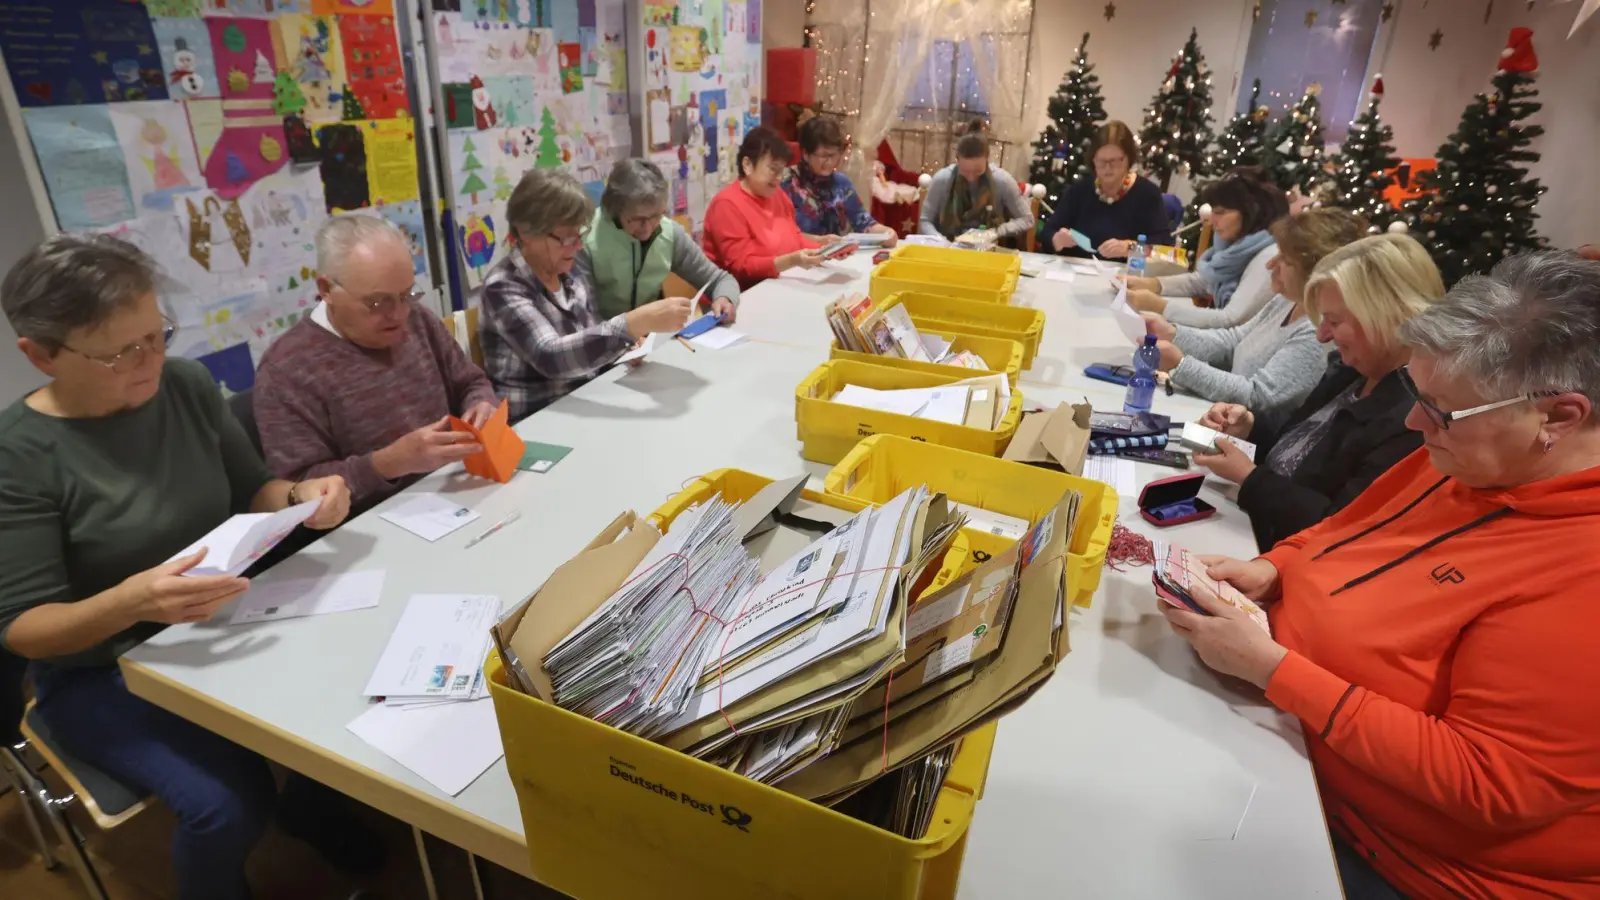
(243, 407)
(108, 801)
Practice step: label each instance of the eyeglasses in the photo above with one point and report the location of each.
(132, 356)
(1442, 418)
(567, 243)
(828, 156)
(640, 221)
(384, 304)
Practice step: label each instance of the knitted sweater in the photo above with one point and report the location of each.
(1255, 289)
(1264, 364)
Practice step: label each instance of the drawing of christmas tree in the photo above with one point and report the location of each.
(549, 151)
(353, 110)
(286, 96)
(264, 73)
(502, 184)
(473, 183)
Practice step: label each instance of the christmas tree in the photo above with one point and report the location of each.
(502, 184)
(1294, 146)
(1365, 161)
(287, 98)
(473, 184)
(264, 73)
(1061, 154)
(1477, 206)
(353, 110)
(1240, 144)
(1177, 126)
(549, 151)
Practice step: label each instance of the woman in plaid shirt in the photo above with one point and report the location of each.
(541, 332)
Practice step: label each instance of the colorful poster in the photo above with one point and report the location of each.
(658, 120)
(711, 19)
(655, 57)
(571, 68)
(546, 55)
(344, 167)
(89, 51)
(659, 12)
(244, 57)
(408, 218)
(477, 236)
(158, 151)
(372, 64)
(391, 161)
(185, 47)
(512, 98)
(735, 22)
(591, 48)
(469, 175)
(688, 48)
(82, 161)
(217, 235)
(352, 7)
(712, 103)
(461, 47)
(249, 149)
(564, 19)
(586, 14)
(312, 60)
(458, 105)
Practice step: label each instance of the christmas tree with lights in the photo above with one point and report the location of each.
(1177, 126)
(1477, 207)
(1061, 154)
(1364, 164)
(1294, 145)
(1240, 144)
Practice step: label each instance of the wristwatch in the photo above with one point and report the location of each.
(293, 499)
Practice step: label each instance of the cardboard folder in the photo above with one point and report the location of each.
(502, 448)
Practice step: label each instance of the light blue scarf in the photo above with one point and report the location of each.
(1223, 264)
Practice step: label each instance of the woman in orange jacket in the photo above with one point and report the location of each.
(1437, 637)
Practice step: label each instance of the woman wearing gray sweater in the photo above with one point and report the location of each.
(1273, 360)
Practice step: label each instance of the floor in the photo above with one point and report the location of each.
(134, 864)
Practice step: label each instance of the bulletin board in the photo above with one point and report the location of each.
(701, 93)
(217, 135)
(526, 84)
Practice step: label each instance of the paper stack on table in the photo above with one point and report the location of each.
(298, 597)
(241, 540)
(436, 652)
(862, 327)
(429, 516)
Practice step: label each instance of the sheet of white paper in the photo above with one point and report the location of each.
(866, 239)
(1115, 471)
(819, 275)
(1085, 268)
(309, 597)
(232, 546)
(946, 404)
(719, 339)
(1131, 323)
(903, 403)
(448, 745)
(639, 352)
(429, 516)
(437, 647)
(1064, 275)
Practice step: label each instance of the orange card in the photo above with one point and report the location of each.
(502, 448)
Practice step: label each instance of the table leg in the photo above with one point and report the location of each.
(477, 880)
(427, 869)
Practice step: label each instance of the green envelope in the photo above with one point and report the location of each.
(537, 457)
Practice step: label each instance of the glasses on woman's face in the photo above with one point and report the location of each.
(639, 223)
(569, 241)
(384, 304)
(132, 356)
(1441, 419)
(829, 157)
(1110, 163)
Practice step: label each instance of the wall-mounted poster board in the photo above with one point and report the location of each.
(218, 135)
(526, 84)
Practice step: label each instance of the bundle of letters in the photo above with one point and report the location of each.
(796, 643)
(980, 402)
(435, 654)
(861, 327)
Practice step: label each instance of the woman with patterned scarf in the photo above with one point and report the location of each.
(973, 195)
(825, 202)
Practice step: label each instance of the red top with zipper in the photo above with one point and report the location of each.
(745, 234)
(1444, 655)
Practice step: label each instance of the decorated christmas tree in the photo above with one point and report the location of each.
(1177, 126)
(1061, 154)
(549, 151)
(287, 99)
(353, 110)
(472, 184)
(1477, 207)
(1364, 164)
(502, 184)
(1240, 144)
(1294, 145)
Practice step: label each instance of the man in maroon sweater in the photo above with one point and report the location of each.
(362, 386)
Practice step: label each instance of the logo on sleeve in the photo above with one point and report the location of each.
(1445, 573)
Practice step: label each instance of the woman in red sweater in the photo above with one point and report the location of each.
(750, 228)
(1436, 638)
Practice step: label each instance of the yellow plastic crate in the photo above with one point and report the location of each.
(1005, 263)
(594, 835)
(940, 313)
(829, 430)
(898, 275)
(1000, 354)
(879, 468)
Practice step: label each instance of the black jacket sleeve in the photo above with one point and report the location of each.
(1279, 506)
(1063, 215)
(1154, 223)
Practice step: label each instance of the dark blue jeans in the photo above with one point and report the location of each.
(1361, 880)
(223, 794)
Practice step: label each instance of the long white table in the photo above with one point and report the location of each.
(1134, 773)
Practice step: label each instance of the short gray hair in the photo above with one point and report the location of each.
(633, 184)
(547, 199)
(1532, 324)
(72, 281)
(341, 235)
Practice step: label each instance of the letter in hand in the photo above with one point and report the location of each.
(660, 317)
(426, 449)
(809, 259)
(1256, 578)
(335, 495)
(1229, 418)
(1226, 638)
(1228, 463)
(165, 594)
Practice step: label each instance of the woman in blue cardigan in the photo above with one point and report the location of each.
(1114, 207)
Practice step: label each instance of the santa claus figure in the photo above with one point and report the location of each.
(482, 109)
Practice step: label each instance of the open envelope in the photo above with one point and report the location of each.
(502, 447)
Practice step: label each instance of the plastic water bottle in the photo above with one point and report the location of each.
(1136, 257)
(1142, 385)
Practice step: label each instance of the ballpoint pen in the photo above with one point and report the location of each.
(493, 528)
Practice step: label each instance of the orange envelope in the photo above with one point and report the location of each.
(502, 448)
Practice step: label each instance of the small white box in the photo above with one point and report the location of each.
(1198, 437)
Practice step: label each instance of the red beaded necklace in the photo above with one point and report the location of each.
(1122, 190)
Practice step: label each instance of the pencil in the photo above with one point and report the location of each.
(687, 344)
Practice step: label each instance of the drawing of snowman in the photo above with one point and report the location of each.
(184, 64)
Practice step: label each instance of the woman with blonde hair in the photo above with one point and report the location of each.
(1351, 428)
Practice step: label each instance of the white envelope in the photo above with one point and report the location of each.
(232, 546)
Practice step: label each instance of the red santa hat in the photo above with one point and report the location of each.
(477, 83)
(1518, 56)
(1377, 85)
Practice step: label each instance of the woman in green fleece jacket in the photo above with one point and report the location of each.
(632, 246)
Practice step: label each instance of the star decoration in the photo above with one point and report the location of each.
(100, 57)
(1111, 11)
(1388, 11)
(146, 50)
(1311, 18)
(1435, 39)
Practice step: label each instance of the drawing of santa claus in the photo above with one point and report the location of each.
(482, 108)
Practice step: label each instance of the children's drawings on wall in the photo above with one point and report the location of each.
(244, 57)
(82, 162)
(372, 65)
(655, 57)
(186, 60)
(477, 237)
(313, 62)
(158, 152)
(344, 167)
(408, 218)
(85, 51)
(391, 152)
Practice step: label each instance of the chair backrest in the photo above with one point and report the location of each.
(1174, 208)
(13, 669)
(464, 327)
(243, 407)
